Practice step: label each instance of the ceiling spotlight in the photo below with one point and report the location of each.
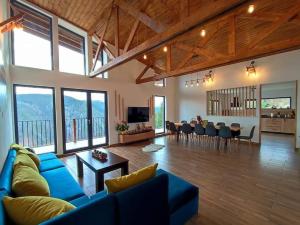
(197, 82)
(186, 84)
(192, 83)
(251, 9)
(203, 33)
(165, 49)
(145, 56)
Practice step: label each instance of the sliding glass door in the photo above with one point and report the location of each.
(84, 115)
(159, 110)
(34, 111)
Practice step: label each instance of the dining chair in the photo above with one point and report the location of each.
(225, 135)
(211, 133)
(221, 124)
(173, 129)
(199, 130)
(236, 133)
(183, 121)
(187, 130)
(247, 138)
(210, 124)
(168, 125)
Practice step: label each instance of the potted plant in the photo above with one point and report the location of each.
(122, 127)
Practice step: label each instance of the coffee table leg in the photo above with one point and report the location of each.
(99, 179)
(124, 169)
(79, 167)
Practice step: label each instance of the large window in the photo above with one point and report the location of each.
(32, 46)
(160, 114)
(101, 60)
(35, 117)
(71, 52)
(276, 103)
(84, 119)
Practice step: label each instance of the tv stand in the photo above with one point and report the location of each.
(136, 136)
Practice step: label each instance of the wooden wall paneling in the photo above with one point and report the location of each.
(123, 111)
(119, 106)
(116, 106)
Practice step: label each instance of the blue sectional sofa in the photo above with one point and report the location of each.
(164, 199)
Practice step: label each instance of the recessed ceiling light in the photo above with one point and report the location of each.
(251, 9)
(203, 33)
(165, 49)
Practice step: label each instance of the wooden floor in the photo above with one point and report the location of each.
(241, 185)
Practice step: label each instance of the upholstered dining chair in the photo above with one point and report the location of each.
(225, 135)
(221, 124)
(211, 133)
(247, 138)
(199, 130)
(236, 133)
(187, 130)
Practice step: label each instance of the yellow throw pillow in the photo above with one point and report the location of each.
(25, 160)
(17, 147)
(32, 155)
(28, 182)
(34, 210)
(124, 182)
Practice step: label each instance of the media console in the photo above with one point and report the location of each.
(136, 136)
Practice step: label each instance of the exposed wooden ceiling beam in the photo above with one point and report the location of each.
(158, 27)
(134, 28)
(147, 67)
(116, 26)
(100, 42)
(191, 22)
(277, 47)
(94, 27)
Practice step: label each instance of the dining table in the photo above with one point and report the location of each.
(179, 125)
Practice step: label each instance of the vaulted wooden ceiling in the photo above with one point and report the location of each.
(134, 28)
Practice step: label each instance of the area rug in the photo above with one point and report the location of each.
(152, 148)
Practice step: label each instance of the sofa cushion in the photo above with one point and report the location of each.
(25, 160)
(137, 177)
(34, 210)
(28, 182)
(50, 165)
(47, 156)
(32, 155)
(62, 185)
(7, 171)
(180, 191)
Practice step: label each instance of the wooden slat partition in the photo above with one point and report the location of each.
(239, 101)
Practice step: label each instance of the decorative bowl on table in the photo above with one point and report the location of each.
(100, 155)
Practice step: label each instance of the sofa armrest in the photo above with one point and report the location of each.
(97, 212)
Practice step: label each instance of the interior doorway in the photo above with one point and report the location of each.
(278, 113)
(159, 114)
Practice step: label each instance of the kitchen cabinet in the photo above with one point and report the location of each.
(278, 125)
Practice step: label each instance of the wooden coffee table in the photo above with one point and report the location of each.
(113, 162)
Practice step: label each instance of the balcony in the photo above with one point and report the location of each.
(39, 134)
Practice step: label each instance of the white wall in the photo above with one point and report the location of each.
(6, 135)
(121, 79)
(271, 69)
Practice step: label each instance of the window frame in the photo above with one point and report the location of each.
(12, 45)
(84, 48)
(15, 111)
(290, 98)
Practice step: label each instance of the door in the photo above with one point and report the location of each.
(34, 111)
(160, 114)
(84, 115)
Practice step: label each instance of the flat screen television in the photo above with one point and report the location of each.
(138, 114)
